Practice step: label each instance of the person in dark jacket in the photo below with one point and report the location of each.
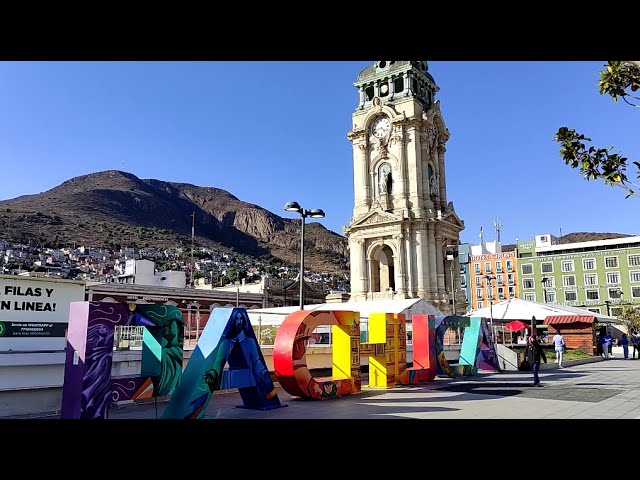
(532, 354)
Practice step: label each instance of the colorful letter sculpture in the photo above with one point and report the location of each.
(289, 354)
(227, 338)
(88, 387)
(381, 348)
(471, 338)
(487, 357)
(424, 351)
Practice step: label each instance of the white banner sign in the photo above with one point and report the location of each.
(34, 312)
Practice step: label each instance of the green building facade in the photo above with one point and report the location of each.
(602, 275)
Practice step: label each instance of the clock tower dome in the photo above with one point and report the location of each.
(404, 234)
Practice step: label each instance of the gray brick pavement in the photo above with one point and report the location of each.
(606, 389)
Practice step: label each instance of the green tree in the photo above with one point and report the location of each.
(619, 79)
(631, 318)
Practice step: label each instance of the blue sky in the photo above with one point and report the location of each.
(271, 132)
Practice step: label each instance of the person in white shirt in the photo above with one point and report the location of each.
(558, 343)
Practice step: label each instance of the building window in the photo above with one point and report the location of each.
(593, 295)
(487, 267)
(527, 283)
(530, 297)
(611, 262)
(551, 297)
(489, 292)
(478, 281)
(498, 267)
(634, 276)
(550, 283)
(594, 310)
(590, 279)
(500, 292)
(567, 265)
(568, 280)
(613, 278)
(509, 266)
(546, 267)
(635, 292)
(570, 295)
(476, 268)
(615, 293)
(463, 281)
(510, 280)
(480, 305)
(527, 269)
(499, 279)
(589, 264)
(634, 260)
(478, 293)
(512, 291)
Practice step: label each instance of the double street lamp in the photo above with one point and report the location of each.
(489, 278)
(314, 213)
(544, 287)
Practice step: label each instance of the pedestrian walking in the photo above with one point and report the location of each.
(635, 341)
(559, 344)
(607, 345)
(532, 354)
(624, 341)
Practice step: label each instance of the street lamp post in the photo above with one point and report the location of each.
(544, 287)
(451, 256)
(314, 213)
(608, 303)
(489, 278)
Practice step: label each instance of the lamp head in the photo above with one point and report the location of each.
(315, 213)
(292, 207)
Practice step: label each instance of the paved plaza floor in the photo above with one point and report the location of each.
(604, 389)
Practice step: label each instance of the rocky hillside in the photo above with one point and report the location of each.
(112, 208)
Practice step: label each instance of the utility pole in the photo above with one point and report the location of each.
(193, 230)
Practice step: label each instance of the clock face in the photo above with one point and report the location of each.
(381, 127)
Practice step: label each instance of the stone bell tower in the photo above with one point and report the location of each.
(403, 235)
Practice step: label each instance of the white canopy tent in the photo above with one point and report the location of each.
(276, 315)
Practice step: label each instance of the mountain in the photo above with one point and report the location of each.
(575, 237)
(112, 208)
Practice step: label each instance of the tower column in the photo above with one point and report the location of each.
(392, 87)
(409, 256)
(402, 160)
(443, 180)
(421, 260)
(362, 97)
(363, 266)
(433, 275)
(356, 267)
(440, 266)
(371, 286)
(399, 267)
(414, 161)
(362, 199)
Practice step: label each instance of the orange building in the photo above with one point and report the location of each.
(493, 278)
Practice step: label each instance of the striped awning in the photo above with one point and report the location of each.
(559, 319)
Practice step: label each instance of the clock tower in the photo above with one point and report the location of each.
(404, 234)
